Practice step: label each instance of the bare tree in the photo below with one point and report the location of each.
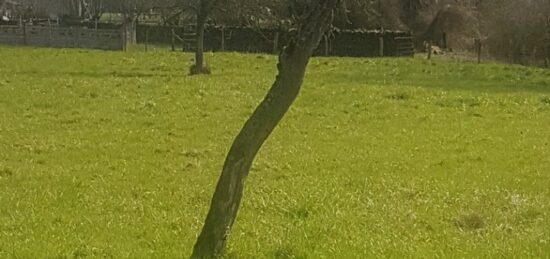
(72, 8)
(514, 29)
(94, 9)
(315, 21)
(130, 11)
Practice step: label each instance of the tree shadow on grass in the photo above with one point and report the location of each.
(286, 252)
(101, 74)
(123, 74)
(443, 74)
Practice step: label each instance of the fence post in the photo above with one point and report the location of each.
(183, 44)
(223, 38)
(173, 40)
(327, 45)
(96, 34)
(77, 38)
(534, 55)
(124, 46)
(49, 32)
(444, 40)
(547, 59)
(429, 49)
(478, 50)
(147, 40)
(276, 42)
(24, 33)
(381, 46)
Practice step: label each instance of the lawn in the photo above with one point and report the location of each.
(112, 154)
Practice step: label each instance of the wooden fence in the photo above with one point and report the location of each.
(359, 43)
(62, 37)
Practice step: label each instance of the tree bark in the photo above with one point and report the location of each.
(229, 190)
(129, 26)
(199, 53)
(202, 15)
(132, 29)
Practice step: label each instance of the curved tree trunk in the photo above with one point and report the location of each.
(229, 190)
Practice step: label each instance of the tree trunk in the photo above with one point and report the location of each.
(202, 15)
(199, 52)
(129, 27)
(229, 190)
(133, 29)
(79, 8)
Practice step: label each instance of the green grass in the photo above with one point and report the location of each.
(109, 154)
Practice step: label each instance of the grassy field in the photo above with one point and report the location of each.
(110, 154)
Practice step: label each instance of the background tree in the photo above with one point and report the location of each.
(314, 21)
(514, 29)
(255, 13)
(72, 8)
(203, 9)
(130, 11)
(94, 9)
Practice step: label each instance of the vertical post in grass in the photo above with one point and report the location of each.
(534, 56)
(124, 37)
(444, 40)
(183, 45)
(222, 47)
(77, 38)
(173, 40)
(327, 45)
(96, 33)
(276, 42)
(381, 45)
(24, 33)
(147, 40)
(49, 32)
(478, 50)
(429, 49)
(525, 55)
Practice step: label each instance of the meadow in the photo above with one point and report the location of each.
(112, 154)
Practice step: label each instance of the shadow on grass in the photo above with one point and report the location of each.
(443, 74)
(102, 74)
(123, 74)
